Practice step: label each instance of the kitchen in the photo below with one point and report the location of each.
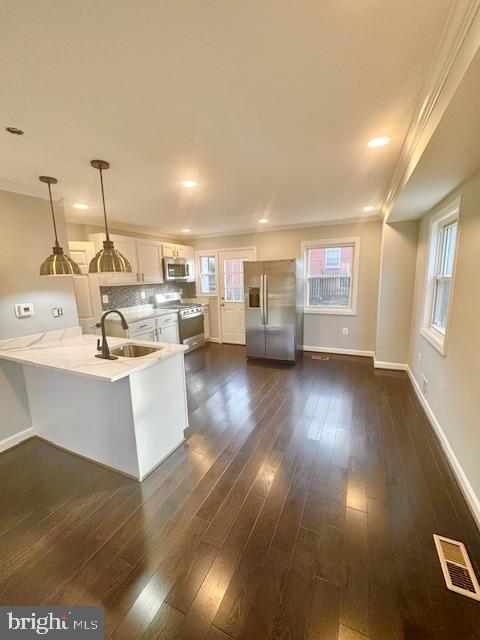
(238, 363)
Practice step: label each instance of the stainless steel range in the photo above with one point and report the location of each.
(190, 318)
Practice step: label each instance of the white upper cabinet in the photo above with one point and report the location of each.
(169, 250)
(149, 254)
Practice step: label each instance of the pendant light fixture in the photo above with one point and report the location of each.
(108, 260)
(57, 264)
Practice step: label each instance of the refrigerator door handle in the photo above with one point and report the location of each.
(265, 299)
(262, 308)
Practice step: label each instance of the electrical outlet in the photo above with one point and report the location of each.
(345, 331)
(104, 298)
(142, 295)
(57, 312)
(424, 384)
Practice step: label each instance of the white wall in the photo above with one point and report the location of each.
(395, 303)
(26, 239)
(323, 330)
(453, 391)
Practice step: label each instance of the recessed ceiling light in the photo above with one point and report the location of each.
(369, 207)
(186, 230)
(189, 184)
(15, 131)
(80, 205)
(378, 142)
(263, 221)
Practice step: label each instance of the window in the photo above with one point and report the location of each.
(331, 275)
(333, 257)
(440, 273)
(233, 279)
(208, 274)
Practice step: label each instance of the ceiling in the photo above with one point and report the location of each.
(452, 154)
(268, 105)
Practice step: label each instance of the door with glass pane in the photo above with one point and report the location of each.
(232, 308)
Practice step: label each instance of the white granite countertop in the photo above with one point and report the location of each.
(71, 351)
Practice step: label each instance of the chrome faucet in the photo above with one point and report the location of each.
(104, 348)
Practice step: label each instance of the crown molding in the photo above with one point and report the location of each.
(289, 227)
(458, 45)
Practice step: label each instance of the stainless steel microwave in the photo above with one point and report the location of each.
(176, 269)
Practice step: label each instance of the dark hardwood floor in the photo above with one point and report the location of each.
(301, 506)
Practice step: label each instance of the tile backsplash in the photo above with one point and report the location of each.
(130, 295)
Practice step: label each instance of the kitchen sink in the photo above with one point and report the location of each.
(133, 350)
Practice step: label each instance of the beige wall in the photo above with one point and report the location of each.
(26, 239)
(323, 330)
(397, 280)
(453, 391)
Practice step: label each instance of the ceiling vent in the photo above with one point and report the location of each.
(457, 568)
(320, 357)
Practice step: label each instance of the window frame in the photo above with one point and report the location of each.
(326, 243)
(198, 256)
(447, 216)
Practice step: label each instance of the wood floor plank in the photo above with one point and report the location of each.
(294, 606)
(354, 610)
(324, 614)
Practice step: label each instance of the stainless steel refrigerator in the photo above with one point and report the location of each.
(274, 309)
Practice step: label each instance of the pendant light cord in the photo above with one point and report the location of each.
(104, 208)
(53, 215)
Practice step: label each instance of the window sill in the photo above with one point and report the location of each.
(434, 340)
(330, 311)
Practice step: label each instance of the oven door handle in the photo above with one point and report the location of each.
(191, 315)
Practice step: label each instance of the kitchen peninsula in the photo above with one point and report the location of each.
(128, 414)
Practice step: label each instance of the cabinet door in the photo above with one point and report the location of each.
(149, 254)
(190, 257)
(181, 251)
(168, 250)
(168, 333)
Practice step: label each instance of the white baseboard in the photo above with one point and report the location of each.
(462, 479)
(11, 441)
(344, 352)
(396, 366)
(213, 340)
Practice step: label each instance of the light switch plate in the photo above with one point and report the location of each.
(345, 331)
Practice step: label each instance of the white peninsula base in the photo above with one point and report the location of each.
(129, 421)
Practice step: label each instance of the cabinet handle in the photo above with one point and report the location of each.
(137, 277)
(143, 278)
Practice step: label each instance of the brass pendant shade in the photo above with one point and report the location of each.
(108, 260)
(58, 263)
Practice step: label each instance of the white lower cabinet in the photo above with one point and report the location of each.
(167, 328)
